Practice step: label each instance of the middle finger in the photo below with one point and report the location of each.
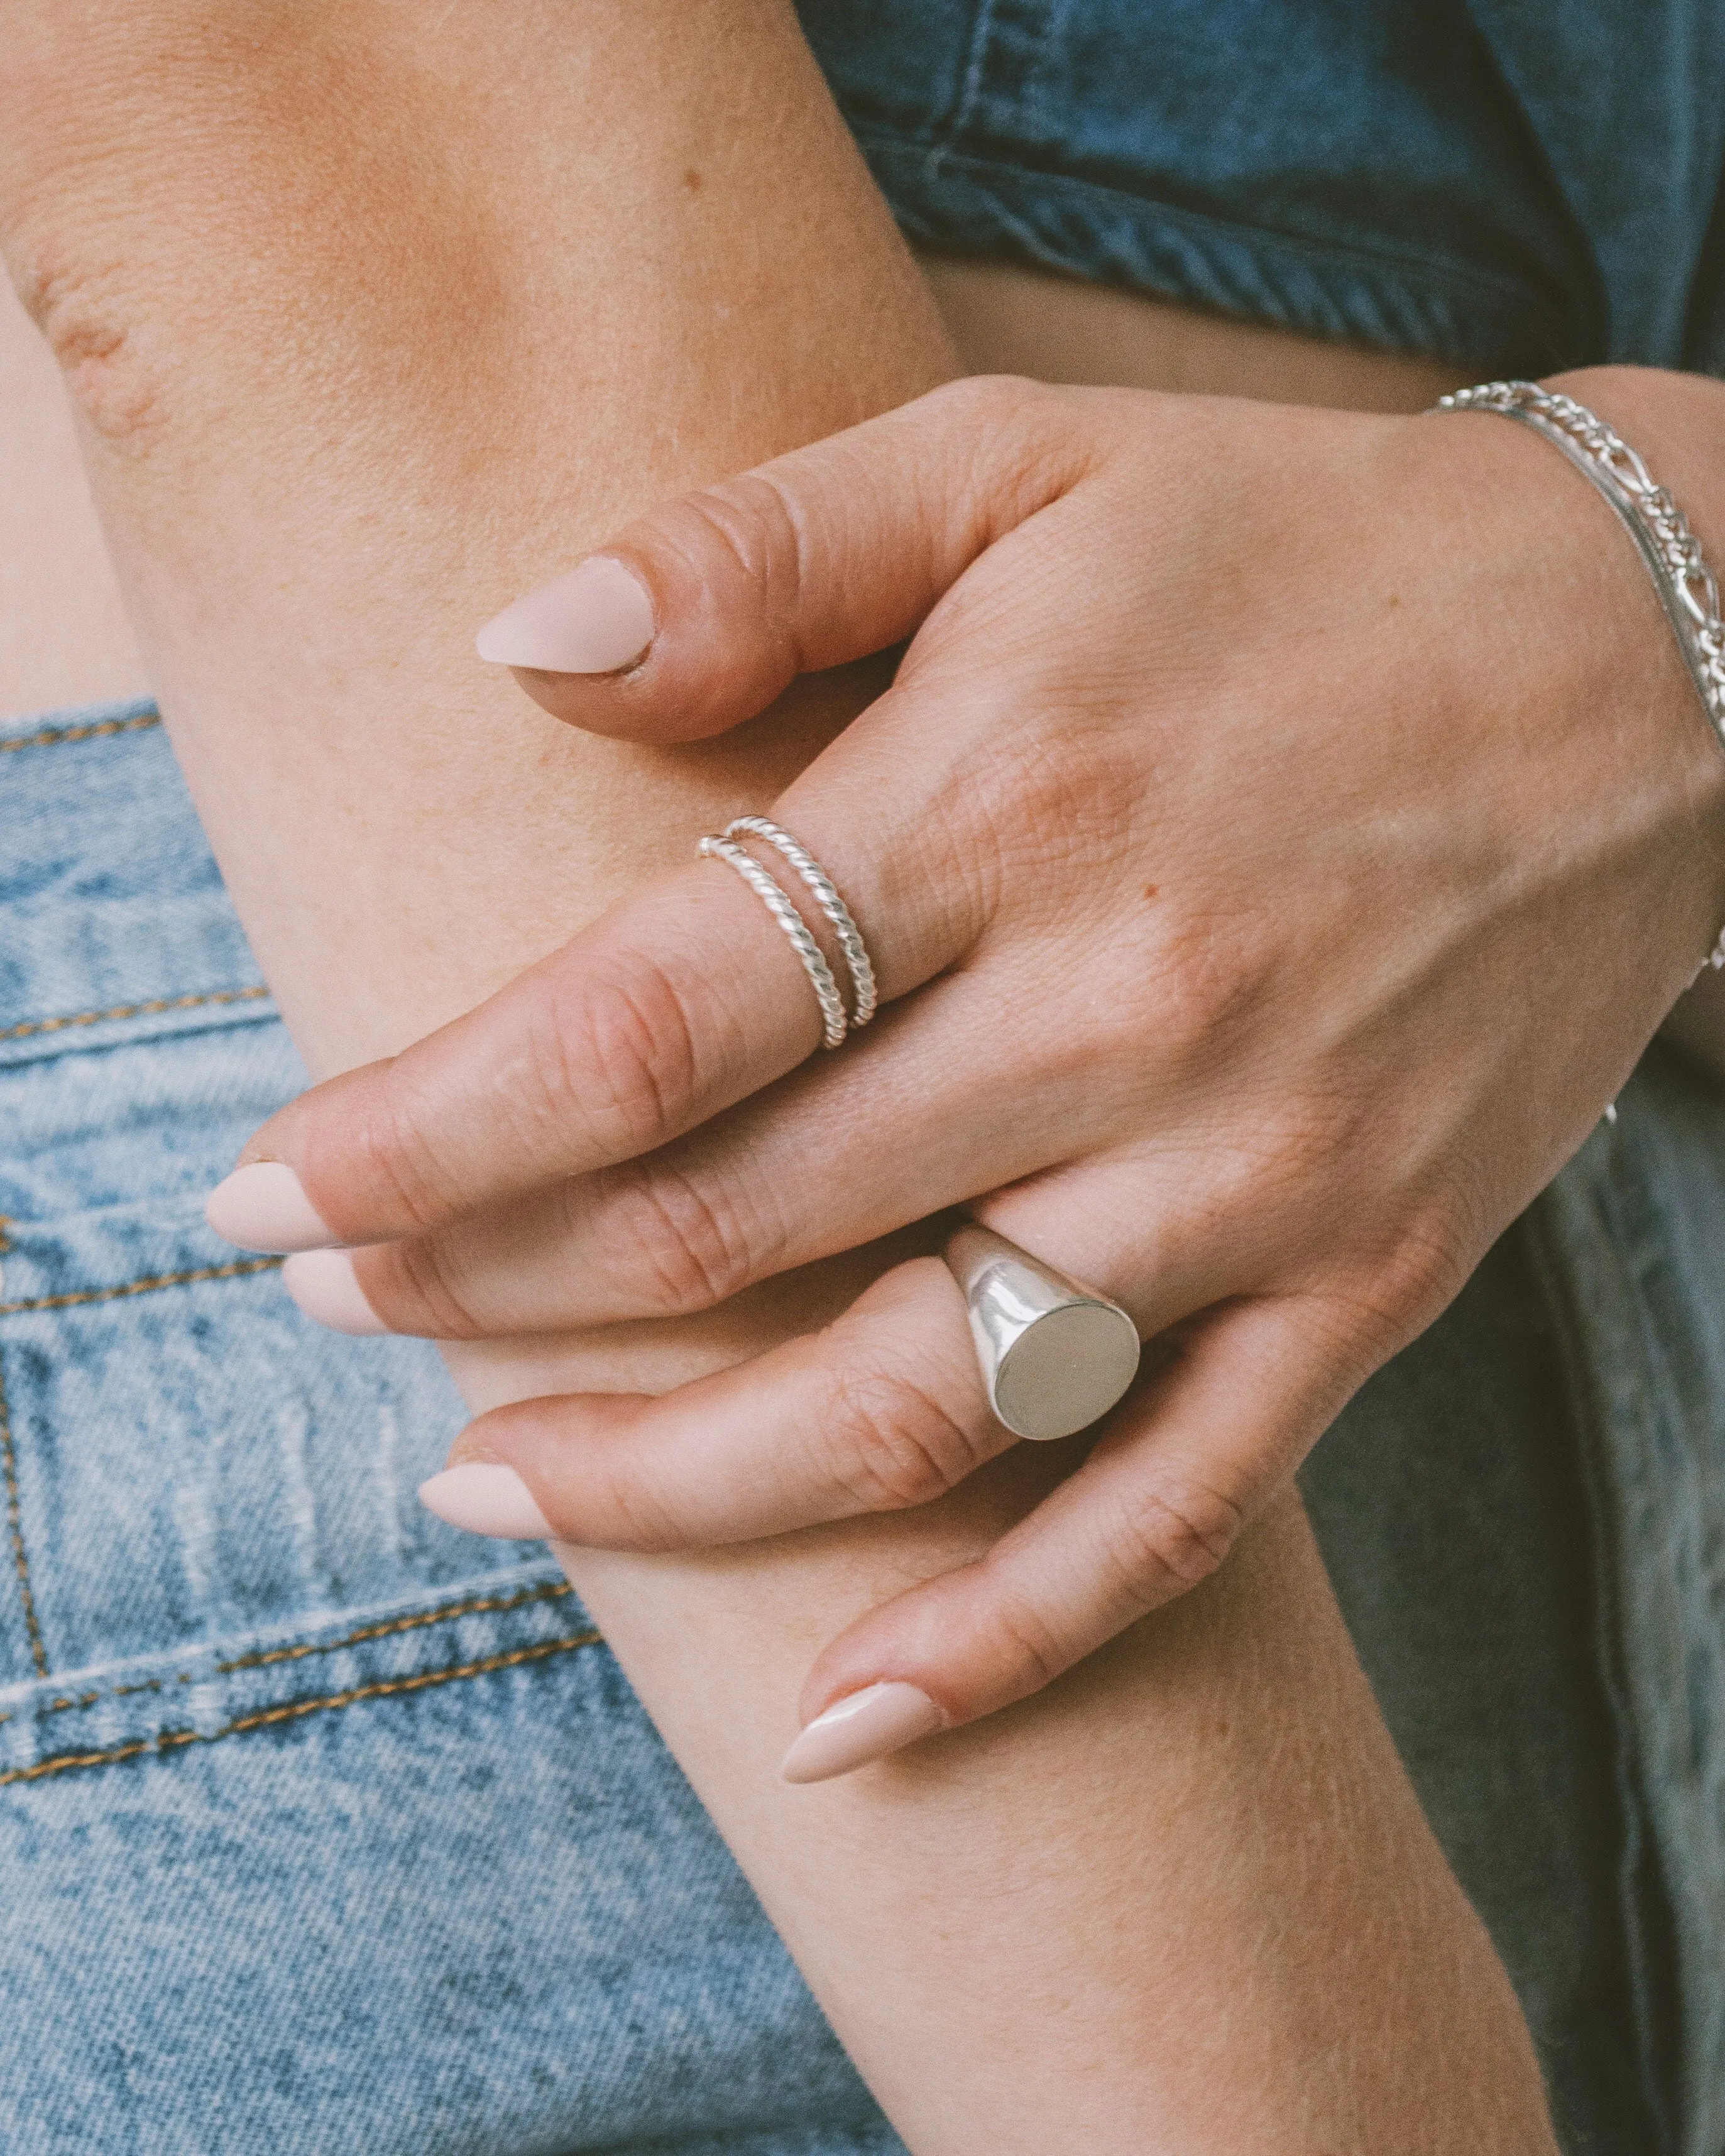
(818, 1164)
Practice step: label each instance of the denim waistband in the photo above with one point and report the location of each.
(1514, 185)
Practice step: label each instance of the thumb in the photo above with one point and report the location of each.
(702, 612)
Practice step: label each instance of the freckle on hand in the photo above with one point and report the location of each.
(1151, 890)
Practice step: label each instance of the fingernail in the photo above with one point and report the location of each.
(484, 1500)
(264, 1207)
(592, 621)
(325, 1287)
(871, 1723)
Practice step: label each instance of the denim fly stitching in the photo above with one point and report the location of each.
(15, 1528)
(76, 1298)
(52, 736)
(133, 1010)
(174, 1739)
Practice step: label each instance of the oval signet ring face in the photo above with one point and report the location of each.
(1054, 1354)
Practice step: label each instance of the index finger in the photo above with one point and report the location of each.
(671, 1006)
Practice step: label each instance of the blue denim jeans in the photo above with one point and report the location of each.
(324, 1827)
(1515, 185)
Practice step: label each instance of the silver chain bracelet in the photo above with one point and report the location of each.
(1687, 588)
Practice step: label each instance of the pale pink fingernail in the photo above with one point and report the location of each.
(592, 621)
(324, 1284)
(264, 1207)
(486, 1500)
(869, 1724)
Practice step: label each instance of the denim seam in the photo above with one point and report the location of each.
(76, 1298)
(15, 1529)
(174, 1740)
(52, 736)
(476, 1605)
(134, 1010)
(970, 82)
(551, 1590)
(1455, 279)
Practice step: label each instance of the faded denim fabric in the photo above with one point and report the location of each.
(323, 1827)
(1515, 185)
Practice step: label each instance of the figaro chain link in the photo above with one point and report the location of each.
(1687, 588)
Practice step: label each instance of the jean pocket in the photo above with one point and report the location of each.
(501, 1619)
(187, 1460)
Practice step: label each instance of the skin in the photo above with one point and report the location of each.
(295, 476)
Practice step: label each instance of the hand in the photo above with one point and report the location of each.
(1284, 833)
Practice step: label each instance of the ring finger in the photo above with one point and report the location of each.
(818, 1165)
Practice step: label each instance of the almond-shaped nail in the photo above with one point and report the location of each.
(868, 1725)
(484, 1500)
(325, 1287)
(597, 618)
(264, 1207)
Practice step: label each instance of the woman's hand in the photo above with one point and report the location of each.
(1283, 833)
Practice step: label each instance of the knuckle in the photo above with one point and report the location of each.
(1208, 983)
(690, 1242)
(1380, 1305)
(759, 528)
(1028, 1640)
(396, 1159)
(420, 1287)
(986, 402)
(1024, 447)
(1167, 1535)
(892, 1443)
(623, 1510)
(615, 1047)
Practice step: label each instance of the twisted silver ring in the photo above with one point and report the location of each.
(864, 995)
(796, 929)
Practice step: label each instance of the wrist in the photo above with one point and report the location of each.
(1675, 423)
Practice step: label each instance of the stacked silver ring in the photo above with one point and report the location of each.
(865, 996)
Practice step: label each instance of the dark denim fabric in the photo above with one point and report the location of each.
(1515, 185)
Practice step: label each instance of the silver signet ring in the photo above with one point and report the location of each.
(1055, 1355)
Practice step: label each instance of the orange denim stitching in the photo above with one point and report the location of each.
(546, 1591)
(120, 1691)
(133, 1010)
(551, 1590)
(15, 1528)
(74, 1300)
(173, 1740)
(51, 737)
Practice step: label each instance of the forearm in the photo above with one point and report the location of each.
(375, 324)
